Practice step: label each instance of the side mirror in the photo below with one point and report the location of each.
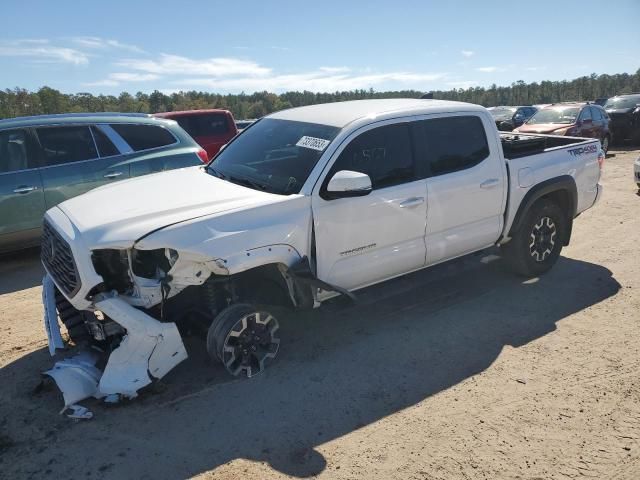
(347, 183)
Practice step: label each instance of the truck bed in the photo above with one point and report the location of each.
(519, 145)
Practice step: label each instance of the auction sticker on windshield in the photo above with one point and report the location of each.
(313, 142)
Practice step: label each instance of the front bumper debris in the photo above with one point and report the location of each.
(147, 352)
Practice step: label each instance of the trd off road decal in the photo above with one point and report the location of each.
(313, 142)
(593, 148)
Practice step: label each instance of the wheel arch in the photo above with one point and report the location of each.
(560, 190)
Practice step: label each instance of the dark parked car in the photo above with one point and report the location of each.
(210, 128)
(507, 118)
(571, 119)
(242, 124)
(624, 111)
(47, 159)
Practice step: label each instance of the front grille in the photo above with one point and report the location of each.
(58, 260)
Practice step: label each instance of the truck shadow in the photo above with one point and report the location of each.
(341, 368)
(20, 270)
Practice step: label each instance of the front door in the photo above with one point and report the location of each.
(21, 197)
(362, 240)
(586, 128)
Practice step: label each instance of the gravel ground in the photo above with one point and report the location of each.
(460, 371)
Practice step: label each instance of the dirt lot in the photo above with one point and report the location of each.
(462, 371)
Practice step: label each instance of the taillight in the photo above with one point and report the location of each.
(601, 156)
(202, 153)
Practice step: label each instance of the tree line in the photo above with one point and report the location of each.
(19, 101)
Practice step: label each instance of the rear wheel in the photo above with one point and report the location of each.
(536, 246)
(244, 339)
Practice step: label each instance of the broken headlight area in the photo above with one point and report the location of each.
(113, 266)
(153, 263)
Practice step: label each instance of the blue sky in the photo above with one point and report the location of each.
(229, 46)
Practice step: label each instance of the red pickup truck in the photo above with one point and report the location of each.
(210, 128)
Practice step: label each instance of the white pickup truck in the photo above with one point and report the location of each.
(305, 204)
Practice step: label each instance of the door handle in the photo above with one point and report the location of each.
(412, 202)
(23, 190)
(113, 175)
(490, 183)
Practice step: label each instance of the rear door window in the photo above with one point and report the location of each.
(451, 144)
(144, 137)
(66, 144)
(204, 125)
(106, 148)
(13, 150)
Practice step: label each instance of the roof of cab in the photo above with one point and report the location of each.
(75, 118)
(340, 114)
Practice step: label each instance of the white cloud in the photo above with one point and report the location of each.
(102, 83)
(334, 69)
(101, 43)
(463, 84)
(535, 69)
(177, 65)
(467, 53)
(317, 81)
(42, 50)
(488, 69)
(133, 77)
(115, 79)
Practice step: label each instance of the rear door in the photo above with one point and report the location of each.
(76, 159)
(21, 195)
(210, 130)
(466, 184)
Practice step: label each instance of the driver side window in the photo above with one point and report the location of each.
(383, 153)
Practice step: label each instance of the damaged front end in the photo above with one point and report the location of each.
(127, 338)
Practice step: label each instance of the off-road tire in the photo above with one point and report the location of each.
(235, 331)
(536, 245)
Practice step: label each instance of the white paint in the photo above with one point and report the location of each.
(51, 325)
(149, 347)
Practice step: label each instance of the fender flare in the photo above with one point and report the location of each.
(557, 184)
(255, 257)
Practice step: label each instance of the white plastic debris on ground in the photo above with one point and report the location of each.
(148, 351)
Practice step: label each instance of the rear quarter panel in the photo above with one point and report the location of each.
(579, 161)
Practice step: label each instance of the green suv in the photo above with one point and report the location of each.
(45, 160)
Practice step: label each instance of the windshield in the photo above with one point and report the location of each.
(502, 113)
(622, 103)
(273, 155)
(565, 115)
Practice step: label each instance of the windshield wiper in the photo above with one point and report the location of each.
(247, 183)
(215, 172)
